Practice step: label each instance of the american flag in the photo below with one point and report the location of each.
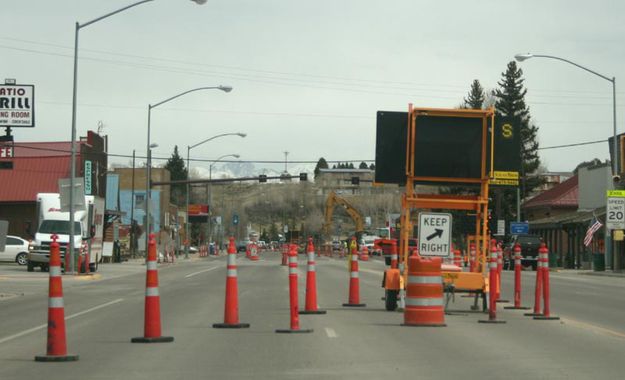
(595, 224)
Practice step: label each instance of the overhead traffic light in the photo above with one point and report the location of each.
(262, 178)
(303, 176)
(355, 180)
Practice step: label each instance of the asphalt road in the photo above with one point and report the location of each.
(106, 310)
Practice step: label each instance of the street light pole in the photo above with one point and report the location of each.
(73, 134)
(186, 248)
(148, 175)
(210, 177)
(615, 168)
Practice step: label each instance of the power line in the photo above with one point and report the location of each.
(575, 144)
(190, 159)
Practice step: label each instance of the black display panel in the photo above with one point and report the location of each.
(448, 147)
(507, 152)
(390, 147)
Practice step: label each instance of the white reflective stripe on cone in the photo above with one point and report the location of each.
(232, 273)
(517, 261)
(425, 279)
(55, 302)
(151, 292)
(393, 257)
(311, 268)
(410, 301)
(292, 259)
(355, 257)
(55, 271)
(353, 275)
(292, 270)
(311, 256)
(232, 259)
(492, 265)
(151, 265)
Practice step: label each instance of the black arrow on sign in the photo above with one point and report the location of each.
(437, 233)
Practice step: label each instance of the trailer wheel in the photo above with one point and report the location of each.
(391, 299)
(30, 267)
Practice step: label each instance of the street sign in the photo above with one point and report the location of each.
(501, 227)
(615, 214)
(78, 196)
(87, 176)
(517, 228)
(434, 234)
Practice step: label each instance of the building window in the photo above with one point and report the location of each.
(139, 201)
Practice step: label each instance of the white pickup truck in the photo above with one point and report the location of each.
(88, 230)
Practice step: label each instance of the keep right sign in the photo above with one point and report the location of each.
(434, 234)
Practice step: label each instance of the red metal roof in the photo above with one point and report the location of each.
(560, 196)
(32, 175)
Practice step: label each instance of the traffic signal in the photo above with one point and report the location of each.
(355, 180)
(303, 176)
(262, 178)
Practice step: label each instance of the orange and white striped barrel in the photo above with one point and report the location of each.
(457, 258)
(424, 293)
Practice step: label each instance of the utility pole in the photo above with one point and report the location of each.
(133, 247)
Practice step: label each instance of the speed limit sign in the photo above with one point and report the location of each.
(615, 218)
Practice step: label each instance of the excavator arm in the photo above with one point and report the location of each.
(331, 202)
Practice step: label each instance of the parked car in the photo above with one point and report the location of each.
(336, 245)
(529, 250)
(242, 245)
(15, 250)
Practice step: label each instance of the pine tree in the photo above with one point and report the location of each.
(476, 96)
(177, 171)
(321, 164)
(363, 165)
(511, 103)
(372, 167)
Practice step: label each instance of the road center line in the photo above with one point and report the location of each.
(40, 327)
(330, 332)
(202, 271)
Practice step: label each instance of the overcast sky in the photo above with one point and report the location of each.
(308, 76)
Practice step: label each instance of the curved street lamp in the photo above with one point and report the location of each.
(73, 135)
(186, 247)
(523, 57)
(148, 168)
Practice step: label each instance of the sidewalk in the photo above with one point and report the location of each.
(590, 272)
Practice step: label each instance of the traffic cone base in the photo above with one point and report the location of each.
(424, 324)
(354, 304)
(56, 358)
(158, 339)
(533, 314)
(231, 325)
(545, 318)
(298, 331)
(499, 321)
(502, 301)
(517, 307)
(312, 311)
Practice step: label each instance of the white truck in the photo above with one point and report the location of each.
(88, 231)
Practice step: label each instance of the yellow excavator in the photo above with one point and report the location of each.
(333, 200)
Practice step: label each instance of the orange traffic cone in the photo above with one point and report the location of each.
(152, 315)
(354, 282)
(293, 295)
(56, 347)
(311, 283)
(231, 311)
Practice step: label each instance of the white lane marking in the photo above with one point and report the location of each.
(40, 327)
(202, 271)
(330, 332)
